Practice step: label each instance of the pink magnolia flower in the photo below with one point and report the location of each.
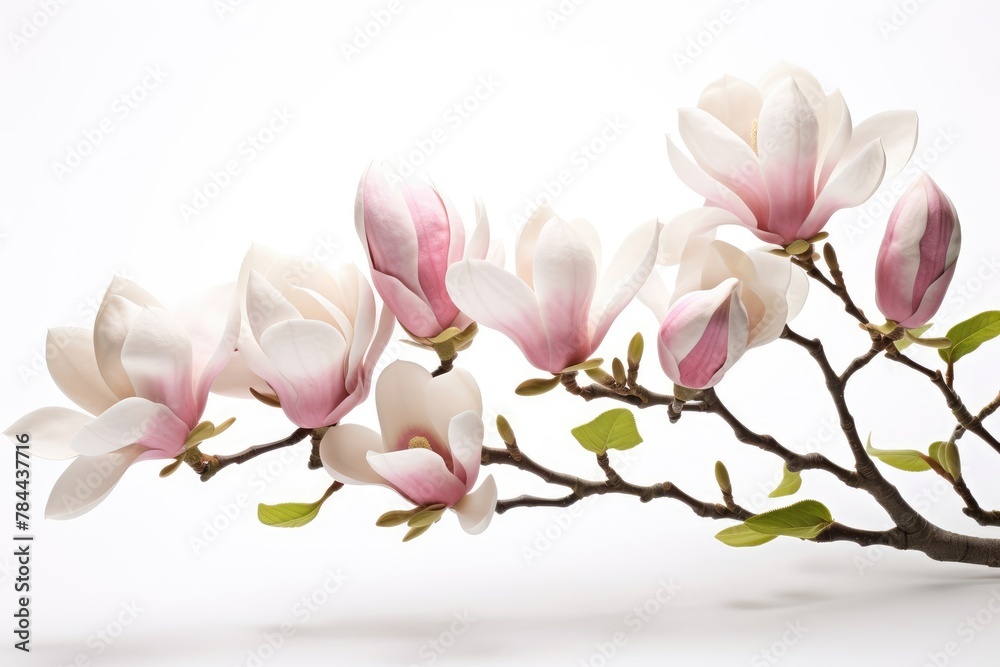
(554, 308)
(703, 335)
(917, 258)
(781, 157)
(309, 338)
(430, 446)
(412, 234)
(143, 372)
(772, 289)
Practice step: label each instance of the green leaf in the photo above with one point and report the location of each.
(599, 375)
(790, 483)
(741, 536)
(584, 365)
(967, 336)
(536, 387)
(618, 371)
(805, 519)
(292, 515)
(287, 515)
(171, 468)
(614, 429)
(946, 453)
(904, 342)
(909, 460)
(635, 348)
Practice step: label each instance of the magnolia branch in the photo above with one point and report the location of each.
(207, 465)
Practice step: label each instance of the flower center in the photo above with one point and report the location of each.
(419, 442)
(753, 135)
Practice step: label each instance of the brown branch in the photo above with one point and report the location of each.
(446, 366)
(210, 464)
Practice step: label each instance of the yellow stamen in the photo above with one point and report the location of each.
(419, 442)
(753, 135)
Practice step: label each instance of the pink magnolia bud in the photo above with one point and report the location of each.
(412, 235)
(703, 335)
(917, 258)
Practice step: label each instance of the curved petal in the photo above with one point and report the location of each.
(725, 157)
(88, 480)
(401, 398)
(851, 187)
(133, 420)
(411, 311)
(476, 509)
(781, 73)
(499, 300)
(897, 130)
(788, 144)
(236, 378)
(838, 137)
(733, 101)
(114, 319)
(72, 362)
(465, 440)
(419, 475)
(698, 222)
(440, 240)
(265, 305)
(451, 394)
(344, 451)
(479, 244)
(49, 431)
(524, 249)
(157, 357)
(931, 301)
(311, 357)
(627, 273)
(715, 193)
(565, 277)
(655, 295)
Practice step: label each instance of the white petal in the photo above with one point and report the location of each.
(629, 269)
(733, 101)
(114, 319)
(265, 305)
(475, 510)
(897, 130)
(838, 137)
(524, 251)
(850, 187)
(465, 440)
(88, 481)
(715, 193)
(344, 452)
(419, 475)
(133, 420)
(49, 431)
(72, 362)
(500, 300)
(401, 396)
(449, 395)
(479, 244)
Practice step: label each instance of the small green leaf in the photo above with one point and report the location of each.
(614, 429)
(909, 460)
(395, 518)
(537, 386)
(417, 531)
(446, 335)
(967, 336)
(946, 453)
(797, 247)
(221, 428)
(505, 430)
(199, 434)
(427, 516)
(790, 483)
(599, 375)
(287, 515)
(905, 342)
(171, 468)
(584, 365)
(805, 519)
(268, 399)
(741, 536)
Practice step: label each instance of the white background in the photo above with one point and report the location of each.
(558, 80)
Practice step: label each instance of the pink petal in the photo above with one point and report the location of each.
(715, 193)
(788, 136)
(311, 357)
(849, 187)
(499, 300)
(157, 357)
(419, 475)
(465, 440)
(408, 307)
(133, 420)
(565, 277)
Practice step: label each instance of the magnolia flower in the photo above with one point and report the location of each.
(143, 373)
(703, 335)
(772, 291)
(917, 258)
(430, 446)
(555, 309)
(411, 235)
(309, 340)
(781, 157)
